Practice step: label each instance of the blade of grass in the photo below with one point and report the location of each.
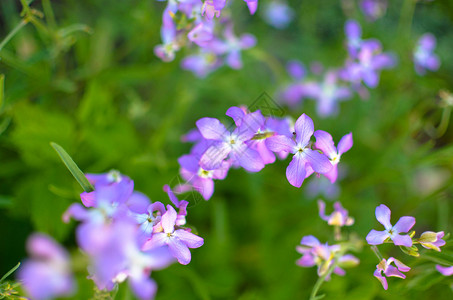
(73, 168)
(10, 272)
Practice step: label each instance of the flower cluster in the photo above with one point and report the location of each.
(398, 235)
(328, 258)
(373, 9)
(126, 236)
(253, 142)
(190, 23)
(361, 69)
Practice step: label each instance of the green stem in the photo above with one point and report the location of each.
(321, 281)
(10, 272)
(13, 33)
(377, 252)
(443, 122)
(48, 12)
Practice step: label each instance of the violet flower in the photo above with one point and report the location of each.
(373, 9)
(47, 273)
(304, 157)
(278, 14)
(225, 143)
(339, 217)
(324, 142)
(353, 33)
(404, 224)
(424, 58)
(385, 267)
(446, 271)
(178, 240)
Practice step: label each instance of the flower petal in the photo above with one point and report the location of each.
(304, 129)
(249, 159)
(188, 238)
(169, 219)
(375, 237)
(446, 271)
(404, 224)
(213, 157)
(345, 143)
(402, 240)
(211, 128)
(319, 162)
(383, 216)
(179, 250)
(324, 142)
(381, 278)
(295, 172)
(279, 143)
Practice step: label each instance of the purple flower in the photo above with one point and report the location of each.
(323, 256)
(327, 94)
(252, 5)
(339, 217)
(47, 273)
(322, 186)
(212, 8)
(178, 240)
(385, 267)
(424, 58)
(200, 179)
(354, 37)
(446, 271)
(278, 14)
(304, 157)
(202, 64)
(404, 224)
(373, 9)
(324, 142)
(233, 144)
(233, 45)
(432, 240)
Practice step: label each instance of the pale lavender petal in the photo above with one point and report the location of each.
(332, 175)
(213, 157)
(237, 114)
(392, 271)
(211, 128)
(157, 240)
(222, 171)
(324, 142)
(345, 143)
(446, 271)
(249, 159)
(250, 125)
(322, 209)
(310, 241)
(169, 219)
(279, 143)
(304, 129)
(402, 267)
(189, 162)
(77, 211)
(404, 224)
(306, 261)
(319, 162)
(296, 69)
(252, 5)
(247, 40)
(383, 216)
(88, 199)
(267, 156)
(179, 250)
(295, 172)
(205, 186)
(339, 271)
(375, 237)
(353, 30)
(138, 202)
(188, 238)
(402, 240)
(143, 287)
(371, 78)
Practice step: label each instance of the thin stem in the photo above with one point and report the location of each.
(443, 122)
(321, 281)
(48, 12)
(13, 33)
(377, 252)
(10, 272)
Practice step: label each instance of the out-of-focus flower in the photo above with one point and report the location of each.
(324, 142)
(47, 273)
(424, 57)
(446, 271)
(373, 9)
(278, 14)
(432, 240)
(339, 217)
(322, 255)
(178, 240)
(305, 160)
(404, 224)
(385, 267)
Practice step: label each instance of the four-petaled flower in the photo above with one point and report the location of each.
(403, 225)
(339, 217)
(385, 267)
(305, 159)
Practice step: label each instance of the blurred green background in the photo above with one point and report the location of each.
(100, 92)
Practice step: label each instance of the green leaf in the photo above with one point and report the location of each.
(10, 272)
(2, 91)
(444, 258)
(73, 168)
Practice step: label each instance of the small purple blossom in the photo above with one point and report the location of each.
(278, 14)
(424, 58)
(403, 225)
(178, 240)
(385, 267)
(432, 240)
(446, 271)
(373, 9)
(47, 273)
(324, 142)
(305, 159)
(339, 217)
